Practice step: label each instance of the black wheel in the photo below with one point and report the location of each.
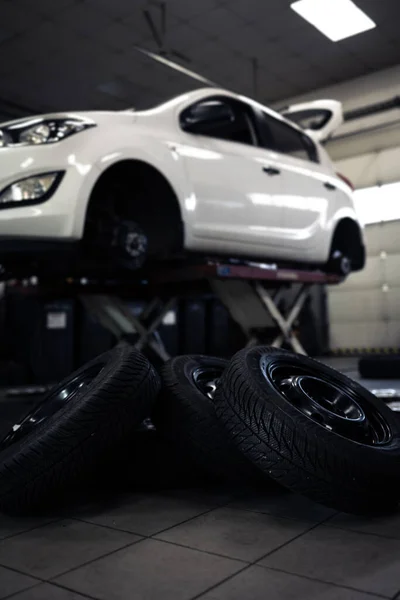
(78, 420)
(312, 429)
(339, 264)
(347, 251)
(132, 216)
(185, 415)
(130, 244)
(114, 236)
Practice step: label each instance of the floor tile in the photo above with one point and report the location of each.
(13, 525)
(151, 569)
(56, 548)
(46, 591)
(12, 582)
(235, 533)
(388, 526)
(212, 496)
(282, 503)
(144, 514)
(258, 583)
(365, 562)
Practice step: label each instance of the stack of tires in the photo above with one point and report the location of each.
(265, 414)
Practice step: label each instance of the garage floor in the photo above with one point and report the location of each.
(217, 544)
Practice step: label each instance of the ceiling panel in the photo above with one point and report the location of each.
(184, 38)
(220, 21)
(190, 9)
(16, 19)
(45, 8)
(66, 49)
(116, 9)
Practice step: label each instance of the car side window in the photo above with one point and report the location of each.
(217, 118)
(283, 138)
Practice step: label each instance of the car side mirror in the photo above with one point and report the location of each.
(204, 117)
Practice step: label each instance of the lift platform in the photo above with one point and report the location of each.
(251, 292)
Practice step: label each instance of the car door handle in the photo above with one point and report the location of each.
(271, 171)
(330, 186)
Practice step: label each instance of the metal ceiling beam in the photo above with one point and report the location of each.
(372, 109)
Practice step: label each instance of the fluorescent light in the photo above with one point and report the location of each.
(337, 19)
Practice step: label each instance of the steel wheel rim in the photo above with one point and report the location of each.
(329, 402)
(54, 401)
(206, 380)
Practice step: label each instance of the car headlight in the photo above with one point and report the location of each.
(31, 190)
(33, 132)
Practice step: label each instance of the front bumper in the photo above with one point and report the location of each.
(61, 216)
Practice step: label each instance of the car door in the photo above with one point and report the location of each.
(235, 205)
(308, 186)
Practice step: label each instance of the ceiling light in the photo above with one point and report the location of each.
(337, 19)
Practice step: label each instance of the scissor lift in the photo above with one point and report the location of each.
(251, 292)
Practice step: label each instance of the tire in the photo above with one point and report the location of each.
(276, 426)
(126, 225)
(108, 398)
(129, 244)
(347, 253)
(185, 416)
(339, 264)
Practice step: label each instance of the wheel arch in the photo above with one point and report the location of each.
(127, 170)
(347, 236)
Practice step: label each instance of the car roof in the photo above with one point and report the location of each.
(199, 94)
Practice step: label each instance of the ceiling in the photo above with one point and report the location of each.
(80, 54)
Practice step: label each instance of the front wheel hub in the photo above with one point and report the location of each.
(135, 244)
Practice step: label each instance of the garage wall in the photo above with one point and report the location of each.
(364, 312)
(357, 92)
(366, 150)
(372, 168)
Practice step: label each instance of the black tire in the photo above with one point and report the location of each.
(339, 264)
(380, 367)
(132, 219)
(108, 398)
(186, 417)
(268, 423)
(129, 245)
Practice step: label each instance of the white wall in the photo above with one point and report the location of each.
(364, 312)
(366, 150)
(357, 92)
(378, 204)
(371, 168)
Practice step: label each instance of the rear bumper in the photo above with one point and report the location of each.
(61, 214)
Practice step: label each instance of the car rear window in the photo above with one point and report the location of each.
(288, 140)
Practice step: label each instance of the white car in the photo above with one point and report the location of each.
(209, 172)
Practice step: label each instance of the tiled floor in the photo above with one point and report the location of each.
(214, 544)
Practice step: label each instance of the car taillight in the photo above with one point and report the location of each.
(346, 180)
